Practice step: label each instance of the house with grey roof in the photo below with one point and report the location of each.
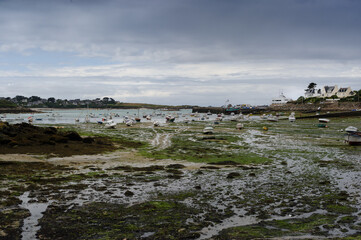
(329, 91)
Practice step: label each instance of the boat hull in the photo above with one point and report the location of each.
(353, 138)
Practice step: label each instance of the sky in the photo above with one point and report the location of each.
(175, 52)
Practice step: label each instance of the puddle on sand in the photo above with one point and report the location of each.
(233, 221)
(30, 226)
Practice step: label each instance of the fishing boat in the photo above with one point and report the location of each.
(208, 130)
(323, 120)
(353, 136)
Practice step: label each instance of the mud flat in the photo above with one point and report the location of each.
(294, 181)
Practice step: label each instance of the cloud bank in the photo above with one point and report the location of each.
(178, 52)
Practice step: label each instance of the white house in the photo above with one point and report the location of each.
(329, 91)
(345, 92)
(281, 99)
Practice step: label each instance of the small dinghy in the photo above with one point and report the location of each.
(208, 130)
(323, 120)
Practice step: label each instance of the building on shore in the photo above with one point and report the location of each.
(280, 100)
(329, 91)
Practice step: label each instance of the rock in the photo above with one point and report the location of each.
(50, 130)
(175, 166)
(129, 193)
(88, 140)
(73, 136)
(233, 175)
(174, 171)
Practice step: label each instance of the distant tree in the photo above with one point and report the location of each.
(19, 98)
(300, 99)
(7, 104)
(312, 85)
(34, 98)
(51, 100)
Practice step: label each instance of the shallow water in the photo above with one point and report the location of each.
(30, 226)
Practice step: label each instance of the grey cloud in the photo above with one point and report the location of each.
(203, 30)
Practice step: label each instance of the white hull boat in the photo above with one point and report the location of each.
(272, 118)
(208, 130)
(110, 124)
(292, 117)
(323, 120)
(353, 136)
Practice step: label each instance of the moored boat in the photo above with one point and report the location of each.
(353, 136)
(110, 124)
(239, 126)
(323, 120)
(208, 130)
(272, 118)
(169, 118)
(292, 117)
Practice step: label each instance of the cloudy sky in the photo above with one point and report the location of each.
(178, 51)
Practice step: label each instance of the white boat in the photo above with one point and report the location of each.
(272, 118)
(208, 130)
(129, 122)
(110, 124)
(351, 129)
(156, 124)
(323, 120)
(239, 126)
(353, 136)
(264, 117)
(292, 117)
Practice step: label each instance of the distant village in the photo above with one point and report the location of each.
(326, 93)
(105, 102)
(38, 102)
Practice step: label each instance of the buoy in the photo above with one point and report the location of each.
(265, 128)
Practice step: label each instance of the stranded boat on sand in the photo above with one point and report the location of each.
(353, 136)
